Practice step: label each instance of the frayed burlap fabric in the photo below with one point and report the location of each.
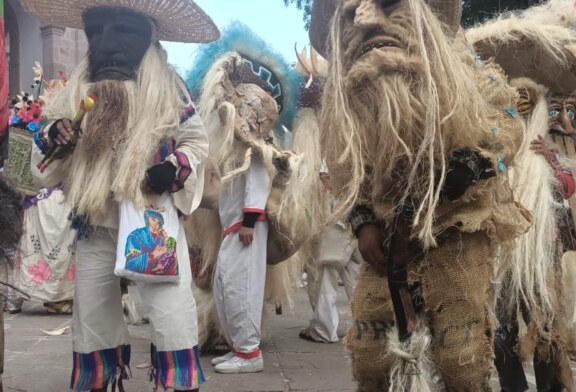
(457, 294)
(373, 316)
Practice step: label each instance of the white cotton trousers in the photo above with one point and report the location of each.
(338, 257)
(238, 288)
(98, 321)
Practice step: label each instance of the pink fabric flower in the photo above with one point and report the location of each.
(40, 272)
(72, 272)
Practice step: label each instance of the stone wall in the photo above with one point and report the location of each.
(56, 48)
(63, 49)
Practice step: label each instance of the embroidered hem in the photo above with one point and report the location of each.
(176, 369)
(98, 369)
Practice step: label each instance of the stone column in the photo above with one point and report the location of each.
(55, 51)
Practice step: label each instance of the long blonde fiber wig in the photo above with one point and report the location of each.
(428, 116)
(234, 155)
(525, 265)
(155, 105)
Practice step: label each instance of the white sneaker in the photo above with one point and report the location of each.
(222, 359)
(241, 365)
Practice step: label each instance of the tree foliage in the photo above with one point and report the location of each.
(479, 10)
(305, 6)
(474, 10)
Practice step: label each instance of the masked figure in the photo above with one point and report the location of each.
(247, 92)
(532, 319)
(418, 134)
(562, 112)
(142, 138)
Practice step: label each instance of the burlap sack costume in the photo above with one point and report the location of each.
(461, 345)
(449, 280)
(455, 277)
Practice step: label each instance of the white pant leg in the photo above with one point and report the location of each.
(313, 288)
(97, 318)
(239, 288)
(324, 323)
(349, 274)
(218, 288)
(171, 307)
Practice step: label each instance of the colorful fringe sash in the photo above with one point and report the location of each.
(99, 369)
(176, 369)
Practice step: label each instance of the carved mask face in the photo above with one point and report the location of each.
(257, 112)
(117, 39)
(378, 33)
(562, 112)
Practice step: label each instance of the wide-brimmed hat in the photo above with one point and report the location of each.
(175, 20)
(448, 11)
(538, 44)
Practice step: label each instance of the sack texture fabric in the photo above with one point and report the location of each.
(456, 294)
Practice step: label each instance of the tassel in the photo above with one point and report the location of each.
(411, 371)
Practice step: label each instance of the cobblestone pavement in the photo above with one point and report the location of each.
(36, 362)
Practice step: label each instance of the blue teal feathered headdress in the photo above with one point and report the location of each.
(276, 75)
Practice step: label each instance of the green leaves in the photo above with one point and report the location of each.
(305, 6)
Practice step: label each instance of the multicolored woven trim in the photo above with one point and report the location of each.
(167, 148)
(176, 369)
(98, 369)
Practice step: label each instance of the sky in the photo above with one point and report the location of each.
(280, 26)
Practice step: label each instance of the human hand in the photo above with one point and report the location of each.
(159, 251)
(540, 147)
(371, 247)
(59, 132)
(160, 177)
(246, 235)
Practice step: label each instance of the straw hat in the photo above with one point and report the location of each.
(449, 12)
(539, 44)
(175, 20)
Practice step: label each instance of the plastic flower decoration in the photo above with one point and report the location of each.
(25, 111)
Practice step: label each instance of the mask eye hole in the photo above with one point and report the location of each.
(571, 114)
(553, 113)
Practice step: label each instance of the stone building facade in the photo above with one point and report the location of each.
(29, 40)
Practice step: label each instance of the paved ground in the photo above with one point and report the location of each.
(36, 362)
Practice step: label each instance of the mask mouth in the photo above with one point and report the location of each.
(113, 69)
(559, 130)
(382, 41)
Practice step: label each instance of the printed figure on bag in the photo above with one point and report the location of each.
(150, 250)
